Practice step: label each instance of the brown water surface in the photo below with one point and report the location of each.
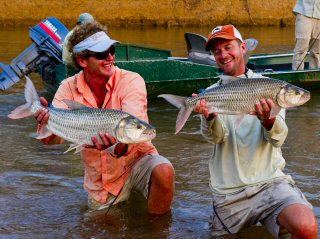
(41, 194)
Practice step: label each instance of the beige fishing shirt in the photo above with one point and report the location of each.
(126, 91)
(248, 155)
(308, 8)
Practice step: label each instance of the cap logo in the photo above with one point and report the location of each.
(217, 29)
(97, 36)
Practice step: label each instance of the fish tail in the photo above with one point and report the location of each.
(182, 118)
(179, 102)
(31, 95)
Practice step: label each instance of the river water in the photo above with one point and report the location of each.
(41, 194)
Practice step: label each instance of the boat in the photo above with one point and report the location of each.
(161, 72)
(278, 66)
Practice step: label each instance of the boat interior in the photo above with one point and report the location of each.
(258, 62)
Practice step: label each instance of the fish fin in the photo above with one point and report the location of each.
(77, 147)
(73, 104)
(20, 112)
(30, 92)
(44, 132)
(182, 118)
(179, 102)
(176, 100)
(238, 120)
(30, 95)
(212, 109)
(274, 111)
(110, 149)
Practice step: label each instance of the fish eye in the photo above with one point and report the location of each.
(294, 91)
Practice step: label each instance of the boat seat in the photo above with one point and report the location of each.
(196, 49)
(197, 52)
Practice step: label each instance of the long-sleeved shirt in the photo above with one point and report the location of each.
(243, 156)
(308, 8)
(126, 91)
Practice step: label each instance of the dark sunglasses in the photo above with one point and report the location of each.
(102, 55)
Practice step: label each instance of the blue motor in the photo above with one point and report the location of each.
(47, 37)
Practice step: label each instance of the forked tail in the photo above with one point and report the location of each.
(31, 95)
(184, 113)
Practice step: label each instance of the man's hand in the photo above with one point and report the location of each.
(201, 108)
(263, 109)
(42, 115)
(107, 141)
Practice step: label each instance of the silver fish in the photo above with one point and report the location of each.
(81, 123)
(239, 96)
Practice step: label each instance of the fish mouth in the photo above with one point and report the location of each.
(151, 134)
(132, 130)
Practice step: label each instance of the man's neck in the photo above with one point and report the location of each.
(98, 87)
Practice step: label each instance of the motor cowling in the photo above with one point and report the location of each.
(47, 37)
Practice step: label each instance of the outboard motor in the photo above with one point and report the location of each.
(47, 39)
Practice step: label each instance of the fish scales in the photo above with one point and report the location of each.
(80, 125)
(238, 97)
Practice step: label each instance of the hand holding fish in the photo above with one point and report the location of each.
(107, 142)
(202, 108)
(42, 115)
(80, 123)
(263, 109)
(236, 97)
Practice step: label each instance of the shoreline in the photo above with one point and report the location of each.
(165, 13)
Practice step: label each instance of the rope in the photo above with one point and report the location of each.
(249, 12)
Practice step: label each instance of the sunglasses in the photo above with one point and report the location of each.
(102, 55)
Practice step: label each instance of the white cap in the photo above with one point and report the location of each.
(98, 42)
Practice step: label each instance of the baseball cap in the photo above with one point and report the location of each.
(225, 32)
(98, 42)
(85, 18)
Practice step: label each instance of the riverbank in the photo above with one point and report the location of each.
(151, 13)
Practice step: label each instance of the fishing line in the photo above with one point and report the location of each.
(223, 225)
(114, 200)
(308, 50)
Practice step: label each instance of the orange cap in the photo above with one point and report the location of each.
(225, 32)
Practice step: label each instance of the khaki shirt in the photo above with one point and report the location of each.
(308, 8)
(245, 156)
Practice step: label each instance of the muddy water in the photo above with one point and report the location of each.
(41, 194)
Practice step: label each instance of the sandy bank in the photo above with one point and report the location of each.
(151, 12)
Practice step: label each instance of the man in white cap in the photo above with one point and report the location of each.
(246, 176)
(66, 54)
(110, 177)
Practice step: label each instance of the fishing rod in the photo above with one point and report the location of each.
(308, 51)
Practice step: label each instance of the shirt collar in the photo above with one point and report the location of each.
(82, 85)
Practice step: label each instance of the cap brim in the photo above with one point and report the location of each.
(210, 42)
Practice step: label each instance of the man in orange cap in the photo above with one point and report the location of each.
(246, 176)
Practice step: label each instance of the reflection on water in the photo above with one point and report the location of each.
(41, 191)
